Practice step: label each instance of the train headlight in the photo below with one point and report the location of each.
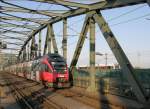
(53, 62)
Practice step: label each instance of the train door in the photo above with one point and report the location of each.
(46, 75)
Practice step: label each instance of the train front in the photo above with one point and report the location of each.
(61, 71)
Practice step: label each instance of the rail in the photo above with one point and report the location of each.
(25, 95)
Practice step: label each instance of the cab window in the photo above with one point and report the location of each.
(45, 68)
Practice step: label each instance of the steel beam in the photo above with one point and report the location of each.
(64, 3)
(30, 18)
(27, 10)
(22, 26)
(53, 39)
(16, 25)
(13, 43)
(64, 41)
(45, 46)
(22, 18)
(18, 38)
(49, 41)
(33, 54)
(24, 54)
(122, 59)
(109, 4)
(40, 40)
(11, 31)
(15, 49)
(16, 32)
(50, 2)
(7, 37)
(72, 4)
(80, 43)
(28, 51)
(92, 71)
(20, 57)
(101, 5)
(92, 42)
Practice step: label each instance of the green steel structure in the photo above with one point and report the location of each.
(32, 48)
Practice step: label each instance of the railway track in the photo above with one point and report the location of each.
(32, 95)
(30, 98)
(19, 96)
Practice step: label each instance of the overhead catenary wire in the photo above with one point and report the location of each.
(127, 21)
(114, 18)
(130, 20)
(72, 35)
(31, 16)
(126, 13)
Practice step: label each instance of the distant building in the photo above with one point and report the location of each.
(102, 68)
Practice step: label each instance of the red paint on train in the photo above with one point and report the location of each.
(51, 70)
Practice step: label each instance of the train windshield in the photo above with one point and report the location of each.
(58, 63)
(59, 67)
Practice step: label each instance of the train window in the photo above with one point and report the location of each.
(60, 68)
(48, 69)
(41, 68)
(44, 67)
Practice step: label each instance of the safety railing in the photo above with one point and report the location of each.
(105, 86)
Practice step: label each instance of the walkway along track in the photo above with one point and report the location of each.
(91, 101)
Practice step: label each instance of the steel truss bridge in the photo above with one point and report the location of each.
(30, 49)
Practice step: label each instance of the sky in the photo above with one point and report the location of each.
(130, 25)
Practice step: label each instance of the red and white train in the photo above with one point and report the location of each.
(51, 70)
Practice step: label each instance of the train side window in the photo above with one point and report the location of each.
(44, 67)
(47, 69)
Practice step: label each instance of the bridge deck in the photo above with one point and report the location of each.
(7, 100)
(71, 98)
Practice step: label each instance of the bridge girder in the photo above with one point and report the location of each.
(67, 4)
(26, 10)
(97, 6)
(17, 25)
(21, 18)
(21, 26)
(13, 31)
